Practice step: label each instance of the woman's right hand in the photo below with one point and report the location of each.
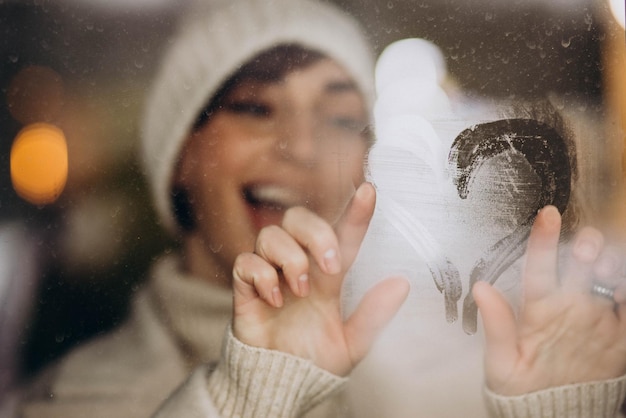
(287, 294)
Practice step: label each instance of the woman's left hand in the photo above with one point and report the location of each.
(564, 333)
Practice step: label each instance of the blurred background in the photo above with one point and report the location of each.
(73, 251)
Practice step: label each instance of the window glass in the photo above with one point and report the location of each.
(76, 242)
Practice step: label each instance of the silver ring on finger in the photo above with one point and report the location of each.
(598, 289)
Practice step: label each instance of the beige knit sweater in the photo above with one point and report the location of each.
(170, 359)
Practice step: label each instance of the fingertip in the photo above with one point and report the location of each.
(491, 303)
(303, 285)
(405, 282)
(549, 217)
(332, 263)
(485, 296)
(276, 298)
(362, 204)
(402, 287)
(365, 191)
(478, 291)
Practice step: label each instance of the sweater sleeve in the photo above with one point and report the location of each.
(585, 400)
(251, 382)
(255, 382)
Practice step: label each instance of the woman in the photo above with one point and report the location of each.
(259, 111)
(253, 142)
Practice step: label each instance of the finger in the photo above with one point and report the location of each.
(540, 270)
(316, 236)
(578, 272)
(500, 329)
(253, 277)
(352, 226)
(280, 249)
(376, 309)
(621, 314)
(620, 293)
(608, 268)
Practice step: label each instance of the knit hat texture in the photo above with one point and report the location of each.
(213, 43)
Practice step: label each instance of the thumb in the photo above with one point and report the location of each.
(379, 305)
(500, 333)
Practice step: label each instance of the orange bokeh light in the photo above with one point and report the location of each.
(39, 163)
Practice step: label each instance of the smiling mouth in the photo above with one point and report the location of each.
(268, 203)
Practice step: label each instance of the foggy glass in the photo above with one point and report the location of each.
(69, 267)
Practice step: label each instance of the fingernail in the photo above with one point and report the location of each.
(277, 297)
(331, 261)
(303, 285)
(550, 215)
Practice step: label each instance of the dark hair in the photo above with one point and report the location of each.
(268, 66)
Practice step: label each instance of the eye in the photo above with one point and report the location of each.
(255, 109)
(347, 123)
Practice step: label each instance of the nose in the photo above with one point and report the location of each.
(296, 139)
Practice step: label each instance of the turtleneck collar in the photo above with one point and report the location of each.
(193, 310)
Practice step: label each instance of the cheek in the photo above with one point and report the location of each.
(345, 163)
(342, 172)
(217, 161)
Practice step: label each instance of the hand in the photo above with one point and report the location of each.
(287, 294)
(564, 334)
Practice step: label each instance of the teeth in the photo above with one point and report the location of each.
(273, 196)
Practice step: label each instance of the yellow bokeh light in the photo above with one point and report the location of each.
(39, 163)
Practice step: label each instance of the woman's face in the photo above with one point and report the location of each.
(298, 141)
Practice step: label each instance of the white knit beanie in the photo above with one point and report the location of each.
(211, 47)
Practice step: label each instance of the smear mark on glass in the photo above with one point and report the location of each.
(426, 162)
(546, 152)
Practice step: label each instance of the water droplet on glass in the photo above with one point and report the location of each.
(216, 248)
(565, 43)
(13, 58)
(390, 5)
(589, 21)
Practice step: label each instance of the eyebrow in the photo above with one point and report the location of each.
(340, 86)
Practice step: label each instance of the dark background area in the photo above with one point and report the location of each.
(106, 56)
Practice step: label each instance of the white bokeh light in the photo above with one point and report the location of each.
(618, 8)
